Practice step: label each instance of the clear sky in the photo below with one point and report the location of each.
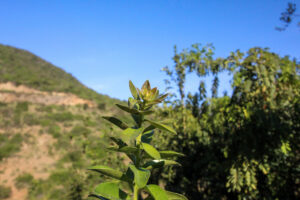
(106, 43)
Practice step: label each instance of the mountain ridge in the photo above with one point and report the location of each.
(23, 67)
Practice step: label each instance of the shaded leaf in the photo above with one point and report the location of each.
(116, 122)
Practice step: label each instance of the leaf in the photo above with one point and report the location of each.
(116, 122)
(141, 176)
(134, 111)
(159, 163)
(162, 97)
(147, 136)
(151, 151)
(175, 196)
(146, 85)
(161, 126)
(156, 192)
(107, 171)
(167, 154)
(98, 197)
(133, 90)
(131, 133)
(119, 142)
(149, 128)
(125, 149)
(111, 190)
(129, 110)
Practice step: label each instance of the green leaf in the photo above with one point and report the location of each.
(175, 196)
(134, 111)
(156, 192)
(116, 122)
(151, 151)
(131, 133)
(125, 149)
(161, 126)
(149, 128)
(146, 85)
(119, 142)
(107, 171)
(133, 90)
(111, 190)
(159, 163)
(167, 154)
(98, 197)
(141, 176)
(147, 136)
(129, 110)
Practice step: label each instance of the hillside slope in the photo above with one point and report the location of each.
(22, 67)
(51, 130)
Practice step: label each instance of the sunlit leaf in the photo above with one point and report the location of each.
(151, 151)
(161, 126)
(156, 192)
(107, 171)
(175, 196)
(141, 176)
(159, 163)
(133, 90)
(111, 190)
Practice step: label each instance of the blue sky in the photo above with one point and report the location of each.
(106, 43)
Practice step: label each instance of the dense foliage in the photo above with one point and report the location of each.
(242, 146)
(134, 141)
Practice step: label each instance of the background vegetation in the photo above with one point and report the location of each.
(243, 145)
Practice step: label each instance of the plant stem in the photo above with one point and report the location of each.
(135, 192)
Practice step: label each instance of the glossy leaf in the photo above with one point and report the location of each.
(141, 176)
(161, 126)
(156, 192)
(111, 190)
(175, 196)
(116, 122)
(151, 151)
(107, 171)
(159, 163)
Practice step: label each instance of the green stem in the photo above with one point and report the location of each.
(135, 192)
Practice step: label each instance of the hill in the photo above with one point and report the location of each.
(51, 130)
(22, 67)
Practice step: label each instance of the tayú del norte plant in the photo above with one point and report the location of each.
(135, 141)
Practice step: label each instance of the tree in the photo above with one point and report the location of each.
(243, 146)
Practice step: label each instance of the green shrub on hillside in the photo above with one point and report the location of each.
(5, 192)
(23, 180)
(9, 144)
